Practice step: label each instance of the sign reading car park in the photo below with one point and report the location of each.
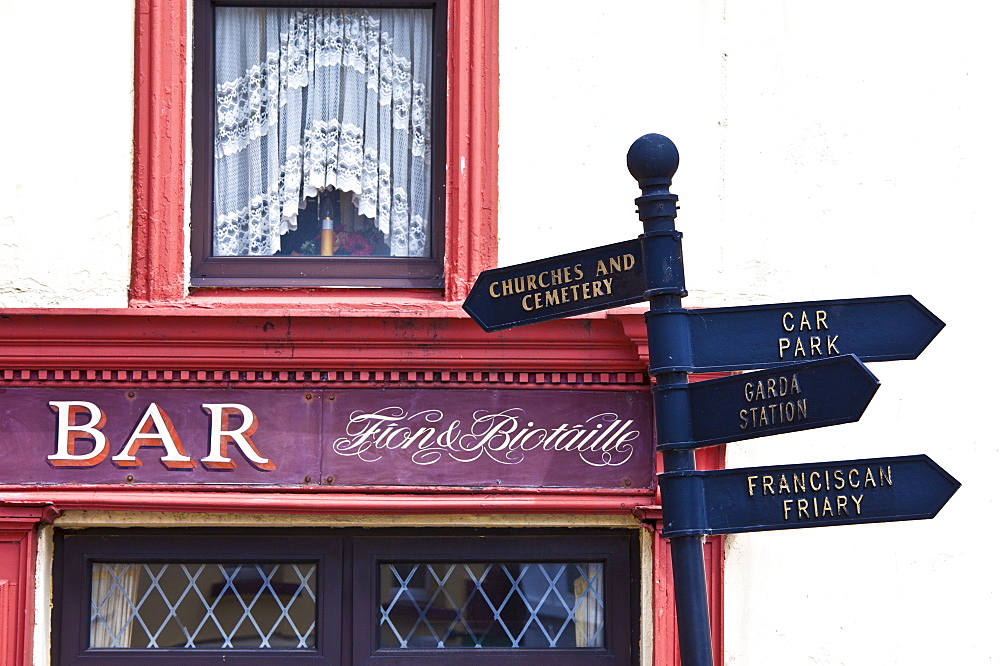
(887, 328)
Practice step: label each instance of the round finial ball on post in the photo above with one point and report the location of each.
(653, 157)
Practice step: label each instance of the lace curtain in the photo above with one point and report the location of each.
(113, 587)
(589, 612)
(321, 98)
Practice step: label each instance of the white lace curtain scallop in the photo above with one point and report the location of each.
(311, 99)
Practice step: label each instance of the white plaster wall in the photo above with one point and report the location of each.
(66, 153)
(828, 150)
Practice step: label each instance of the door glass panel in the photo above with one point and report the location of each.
(203, 605)
(491, 604)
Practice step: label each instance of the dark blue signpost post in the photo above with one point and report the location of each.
(809, 374)
(652, 161)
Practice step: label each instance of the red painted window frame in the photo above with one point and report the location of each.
(159, 238)
(372, 271)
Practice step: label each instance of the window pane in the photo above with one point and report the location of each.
(203, 605)
(322, 132)
(492, 604)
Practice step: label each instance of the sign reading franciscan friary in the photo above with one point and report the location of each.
(781, 497)
(523, 438)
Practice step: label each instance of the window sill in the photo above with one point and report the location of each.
(619, 505)
(342, 304)
(331, 302)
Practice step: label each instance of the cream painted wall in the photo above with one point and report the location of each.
(828, 150)
(66, 155)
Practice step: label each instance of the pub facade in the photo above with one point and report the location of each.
(291, 443)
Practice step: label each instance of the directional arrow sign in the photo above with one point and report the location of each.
(783, 497)
(570, 284)
(887, 328)
(811, 394)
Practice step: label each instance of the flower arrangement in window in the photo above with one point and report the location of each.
(330, 226)
(345, 244)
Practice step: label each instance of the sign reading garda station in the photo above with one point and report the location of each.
(360, 437)
(806, 395)
(569, 284)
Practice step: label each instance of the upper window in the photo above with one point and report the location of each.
(318, 144)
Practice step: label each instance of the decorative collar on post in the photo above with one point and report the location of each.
(652, 160)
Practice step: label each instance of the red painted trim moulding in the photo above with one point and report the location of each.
(354, 503)
(181, 340)
(473, 140)
(159, 145)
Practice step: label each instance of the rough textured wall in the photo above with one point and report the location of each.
(828, 150)
(66, 159)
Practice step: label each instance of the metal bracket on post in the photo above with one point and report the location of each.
(652, 161)
(669, 324)
(683, 497)
(671, 407)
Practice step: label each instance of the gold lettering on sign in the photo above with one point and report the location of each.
(567, 294)
(885, 477)
(805, 482)
(787, 409)
(621, 263)
(818, 491)
(564, 285)
(812, 345)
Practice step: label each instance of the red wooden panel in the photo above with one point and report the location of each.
(9, 626)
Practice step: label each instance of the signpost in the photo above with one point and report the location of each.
(808, 356)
